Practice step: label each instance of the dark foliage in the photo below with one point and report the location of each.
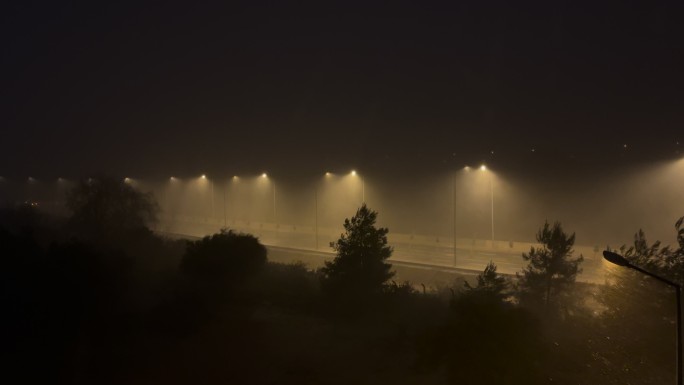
(488, 341)
(144, 310)
(291, 287)
(551, 272)
(57, 301)
(638, 323)
(108, 208)
(223, 259)
(490, 283)
(359, 269)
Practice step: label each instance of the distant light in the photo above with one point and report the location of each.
(467, 168)
(483, 168)
(126, 180)
(264, 175)
(353, 172)
(533, 150)
(59, 179)
(30, 179)
(491, 152)
(327, 174)
(204, 176)
(624, 146)
(235, 177)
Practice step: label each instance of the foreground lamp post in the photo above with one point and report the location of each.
(621, 261)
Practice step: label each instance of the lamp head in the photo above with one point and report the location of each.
(615, 258)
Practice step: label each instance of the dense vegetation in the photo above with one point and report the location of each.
(99, 298)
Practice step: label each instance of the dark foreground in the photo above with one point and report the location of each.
(132, 309)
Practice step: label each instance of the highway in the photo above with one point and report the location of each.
(288, 243)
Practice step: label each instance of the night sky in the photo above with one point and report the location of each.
(161, 88)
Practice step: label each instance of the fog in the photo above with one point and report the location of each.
(473, 205)
(200, 302)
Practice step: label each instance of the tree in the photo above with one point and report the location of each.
(224, 258)
(639, 313)
(551, 271)
(490, 342)
(359, 267)
(664, 260)
(489, 282)
(487, 340)
(106, 207)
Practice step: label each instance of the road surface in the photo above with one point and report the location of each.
(289, 243)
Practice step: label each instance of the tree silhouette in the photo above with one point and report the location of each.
(551, 270)
(661, 260)
(225, 258)
(106, 207)
(640, 312)
(359, 267)
(490, 282)
(487, 340)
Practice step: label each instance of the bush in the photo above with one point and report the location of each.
(224, 259)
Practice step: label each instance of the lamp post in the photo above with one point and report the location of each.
(363, 191)
(168, 192)
(363, 186)
(225, 187)
(211, 194)
(327, 177)
(491, 198)
(265, 176)
(453, 205)
(491, 194)
(234, 198)
(619, 260)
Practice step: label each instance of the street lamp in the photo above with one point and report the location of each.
(211, 192)
(234, 198)
(491, 195)
(169, 195)
(453, 206)
(328, 175)
(316, 215)
(265, 176)
(363, 186)
(621, 261)
(225, 187)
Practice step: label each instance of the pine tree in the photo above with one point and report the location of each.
(359, 267)
(490, 282)
(551, 271)
(639, 313)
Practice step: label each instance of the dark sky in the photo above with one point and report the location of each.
(164, 88)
